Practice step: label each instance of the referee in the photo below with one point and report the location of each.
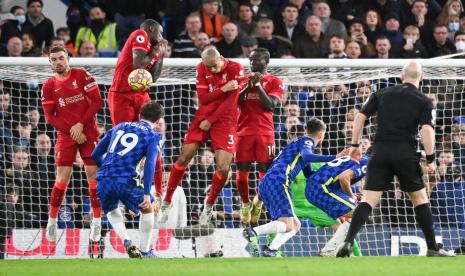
(400, 109)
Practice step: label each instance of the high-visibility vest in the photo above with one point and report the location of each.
(107, 45)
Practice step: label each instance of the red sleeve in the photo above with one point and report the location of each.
(140, 40)
(276, 88)
(92, 93)
(49, 107)
(203, 95)
(158, 178)
(233, 96)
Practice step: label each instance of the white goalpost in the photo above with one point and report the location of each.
(332, 90)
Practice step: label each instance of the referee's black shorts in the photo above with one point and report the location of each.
(394, 158)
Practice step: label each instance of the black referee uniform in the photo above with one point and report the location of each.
(401, 109)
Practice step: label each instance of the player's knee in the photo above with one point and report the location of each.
(147, 210)
(223, 169)
(183, 160)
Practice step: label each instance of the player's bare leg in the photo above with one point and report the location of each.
(95, 225)
(177, 173)
(146, 222)
(56, 198)
(425, 220)
(369, 201)
(223, 166)
(242, 185)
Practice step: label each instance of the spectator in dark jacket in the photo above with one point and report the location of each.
(229, 46)
(288, 26)
(276, 45)
(12, 24)
(413, 48)
(313, 43)
(29, 48)
(440, 45)
(37, 24)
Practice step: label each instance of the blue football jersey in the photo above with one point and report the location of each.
(125, 148)
(297, 157)
(329, 172)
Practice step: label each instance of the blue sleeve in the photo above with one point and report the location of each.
(101, 149)
(150, 164)
(307, 170)
(358, 170)
(308, 156)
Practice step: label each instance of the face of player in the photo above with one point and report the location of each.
(214, 65)
(157, 35)
(364, 145)
(257, 62)
(320, 137)
(59, 62)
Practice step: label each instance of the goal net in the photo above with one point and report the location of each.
(332, 90)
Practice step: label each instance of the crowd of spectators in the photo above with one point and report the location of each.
(294, 28)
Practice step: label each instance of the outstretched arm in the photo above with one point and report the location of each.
(345, 179)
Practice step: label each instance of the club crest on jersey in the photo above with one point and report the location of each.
(140, 39)
(74, 83)
(61, 102)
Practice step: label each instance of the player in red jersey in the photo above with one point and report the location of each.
(255, 129)
(219, 82)
(143, 50)
(70, 100)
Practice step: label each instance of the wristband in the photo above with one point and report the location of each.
(430, 158)
(355, 145)
(258, 84)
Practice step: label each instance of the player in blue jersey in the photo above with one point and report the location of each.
(126, 159)
(274, 189)
(330, 189)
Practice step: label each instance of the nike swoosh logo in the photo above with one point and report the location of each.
(57, 89)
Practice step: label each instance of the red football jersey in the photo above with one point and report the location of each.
(72, 100)
(215, 105)
(137, 40)
(254, 119)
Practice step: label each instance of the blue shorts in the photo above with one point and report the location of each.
(333, 201)
(276, 197)
(111, 190)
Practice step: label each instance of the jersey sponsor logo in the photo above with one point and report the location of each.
(74, 99)
(61, 102)
(92, 84)
(57, 89)
(252, 96)
(140, 39)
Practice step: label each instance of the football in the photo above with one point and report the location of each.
(140, 80)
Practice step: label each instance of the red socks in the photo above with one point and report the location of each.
(242, 184)
(94, 201)
(158, 177)
(56, 198)
(260, 176)
(176, 175)
(217, 184)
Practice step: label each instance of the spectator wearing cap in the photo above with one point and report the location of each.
(29, 49)
(374, 25)
(312, 44)
(11, 24)
(184, 43)
(37, 24)
(261, 10)
(276, 45)
(87, 49)
(459, 42)
(413, 48)
(357, 33)
(212, 20)
(329, 26)
(248, 44)
(229, 46)
(247, 26)
(440, 45)
(289, 27)
(392, 30)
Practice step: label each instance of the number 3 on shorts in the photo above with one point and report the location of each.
(231, 139)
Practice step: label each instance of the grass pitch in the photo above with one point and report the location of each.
(375, 266)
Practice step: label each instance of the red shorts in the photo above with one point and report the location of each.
(66, 150)
(260, 148)
(125, 107)
(222, 137)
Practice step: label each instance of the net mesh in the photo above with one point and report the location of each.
(332, 94)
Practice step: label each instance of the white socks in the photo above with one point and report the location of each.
(117, 221)
(271, 228)
(146, 223)
(337, 239)
(281, 238)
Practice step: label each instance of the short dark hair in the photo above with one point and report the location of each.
(149, 23)
(56, 38)
(264, 52)
(11, 189)
(63, 29)
(315, 125)
(14, 8)
(296, 129)
(289, 5)
(57, 49)
(29, 2)
(151, 111)
(458, 33)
